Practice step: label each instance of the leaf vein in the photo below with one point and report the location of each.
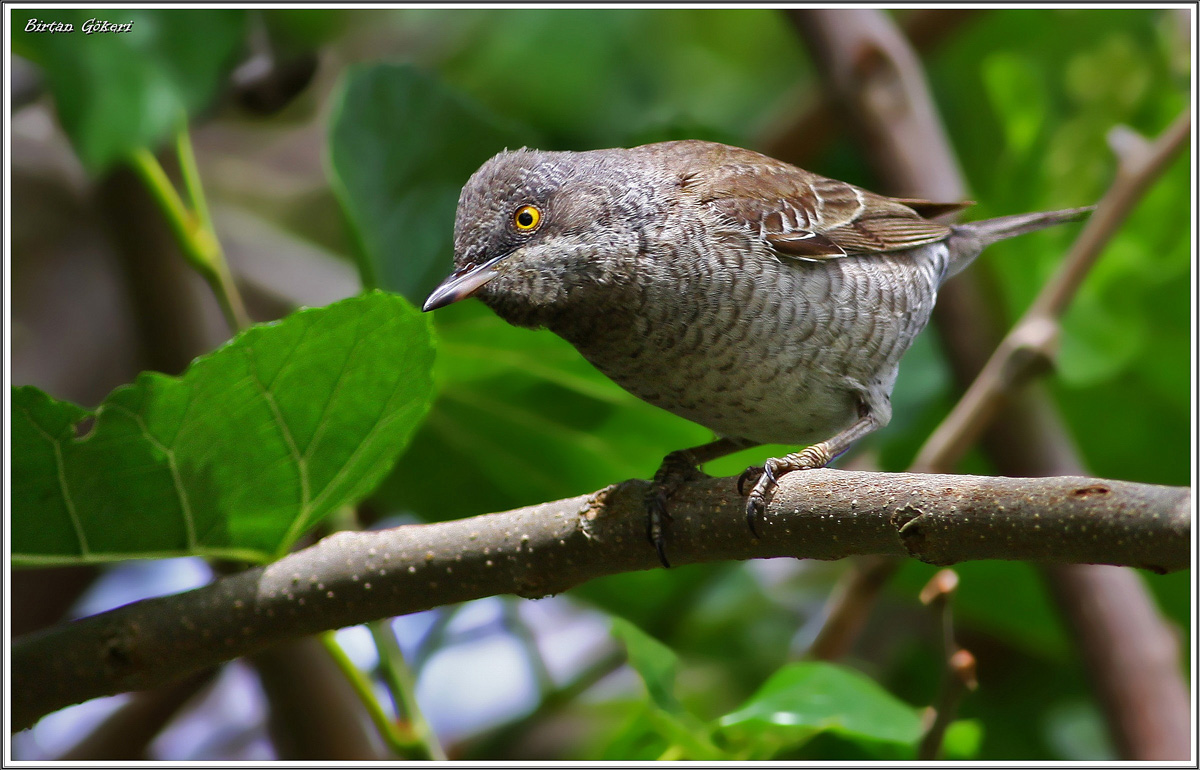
(185, 505)
(60, 467)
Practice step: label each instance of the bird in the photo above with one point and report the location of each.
(764, 302)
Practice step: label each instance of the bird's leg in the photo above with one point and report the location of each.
(677, 469)
(815, 456)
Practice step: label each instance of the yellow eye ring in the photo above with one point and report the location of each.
(526, 218)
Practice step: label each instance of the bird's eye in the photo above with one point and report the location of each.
(527, 217)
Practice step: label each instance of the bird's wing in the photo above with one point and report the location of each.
(806, 216)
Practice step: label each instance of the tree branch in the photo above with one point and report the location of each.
(353, 577)
(1030, 345)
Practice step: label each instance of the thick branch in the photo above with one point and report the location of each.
(352, 577)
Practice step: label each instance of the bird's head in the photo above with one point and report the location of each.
(536, 230)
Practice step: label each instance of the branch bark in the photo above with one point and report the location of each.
(353, 577)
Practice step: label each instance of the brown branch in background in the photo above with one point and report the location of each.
(177, 319)
(958, 677)
(42, 598)
(850, 604)
(1099, 597)
(1028, 437)
(872, 74)
(1025, 351)
(313, 714)
(496, 742)
(352, 577)
(801, 138)
(127, 733)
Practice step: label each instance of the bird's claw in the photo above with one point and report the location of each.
(815, 456)
(760, 493)
(753, 472)
(656, 521)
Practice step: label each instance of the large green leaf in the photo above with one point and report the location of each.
(402, 145)
(803, 699)
(603, 77)
(250, 447)
(118, 91)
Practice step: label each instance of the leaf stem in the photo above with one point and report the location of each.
(191, 177)
(192, 229)
(403, 687)
(400, 745)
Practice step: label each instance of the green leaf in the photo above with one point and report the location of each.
(618, 76)
(402, 145)
(963, 739)
(1018, 93)
(248, 449)
(653, 660)
(803, 699)
(656, 664)
(118, 91)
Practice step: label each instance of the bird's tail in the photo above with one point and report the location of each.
(966, 241)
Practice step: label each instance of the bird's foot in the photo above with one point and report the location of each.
(766, 479)
(677, 469)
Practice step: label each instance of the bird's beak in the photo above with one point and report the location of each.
(463, 283)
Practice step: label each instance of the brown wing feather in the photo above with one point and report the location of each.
(931, 209)
(804, 215)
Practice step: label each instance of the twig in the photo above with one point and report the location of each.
(1029, 438)
(872, 75)
(353, 577)
(313, 713)
(957, 680)
(1033, 339)
(515, 625)
(435, 637)
(958, 677)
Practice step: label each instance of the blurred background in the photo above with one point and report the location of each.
(298, 109)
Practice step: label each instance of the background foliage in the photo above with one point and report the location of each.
(353, 177)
